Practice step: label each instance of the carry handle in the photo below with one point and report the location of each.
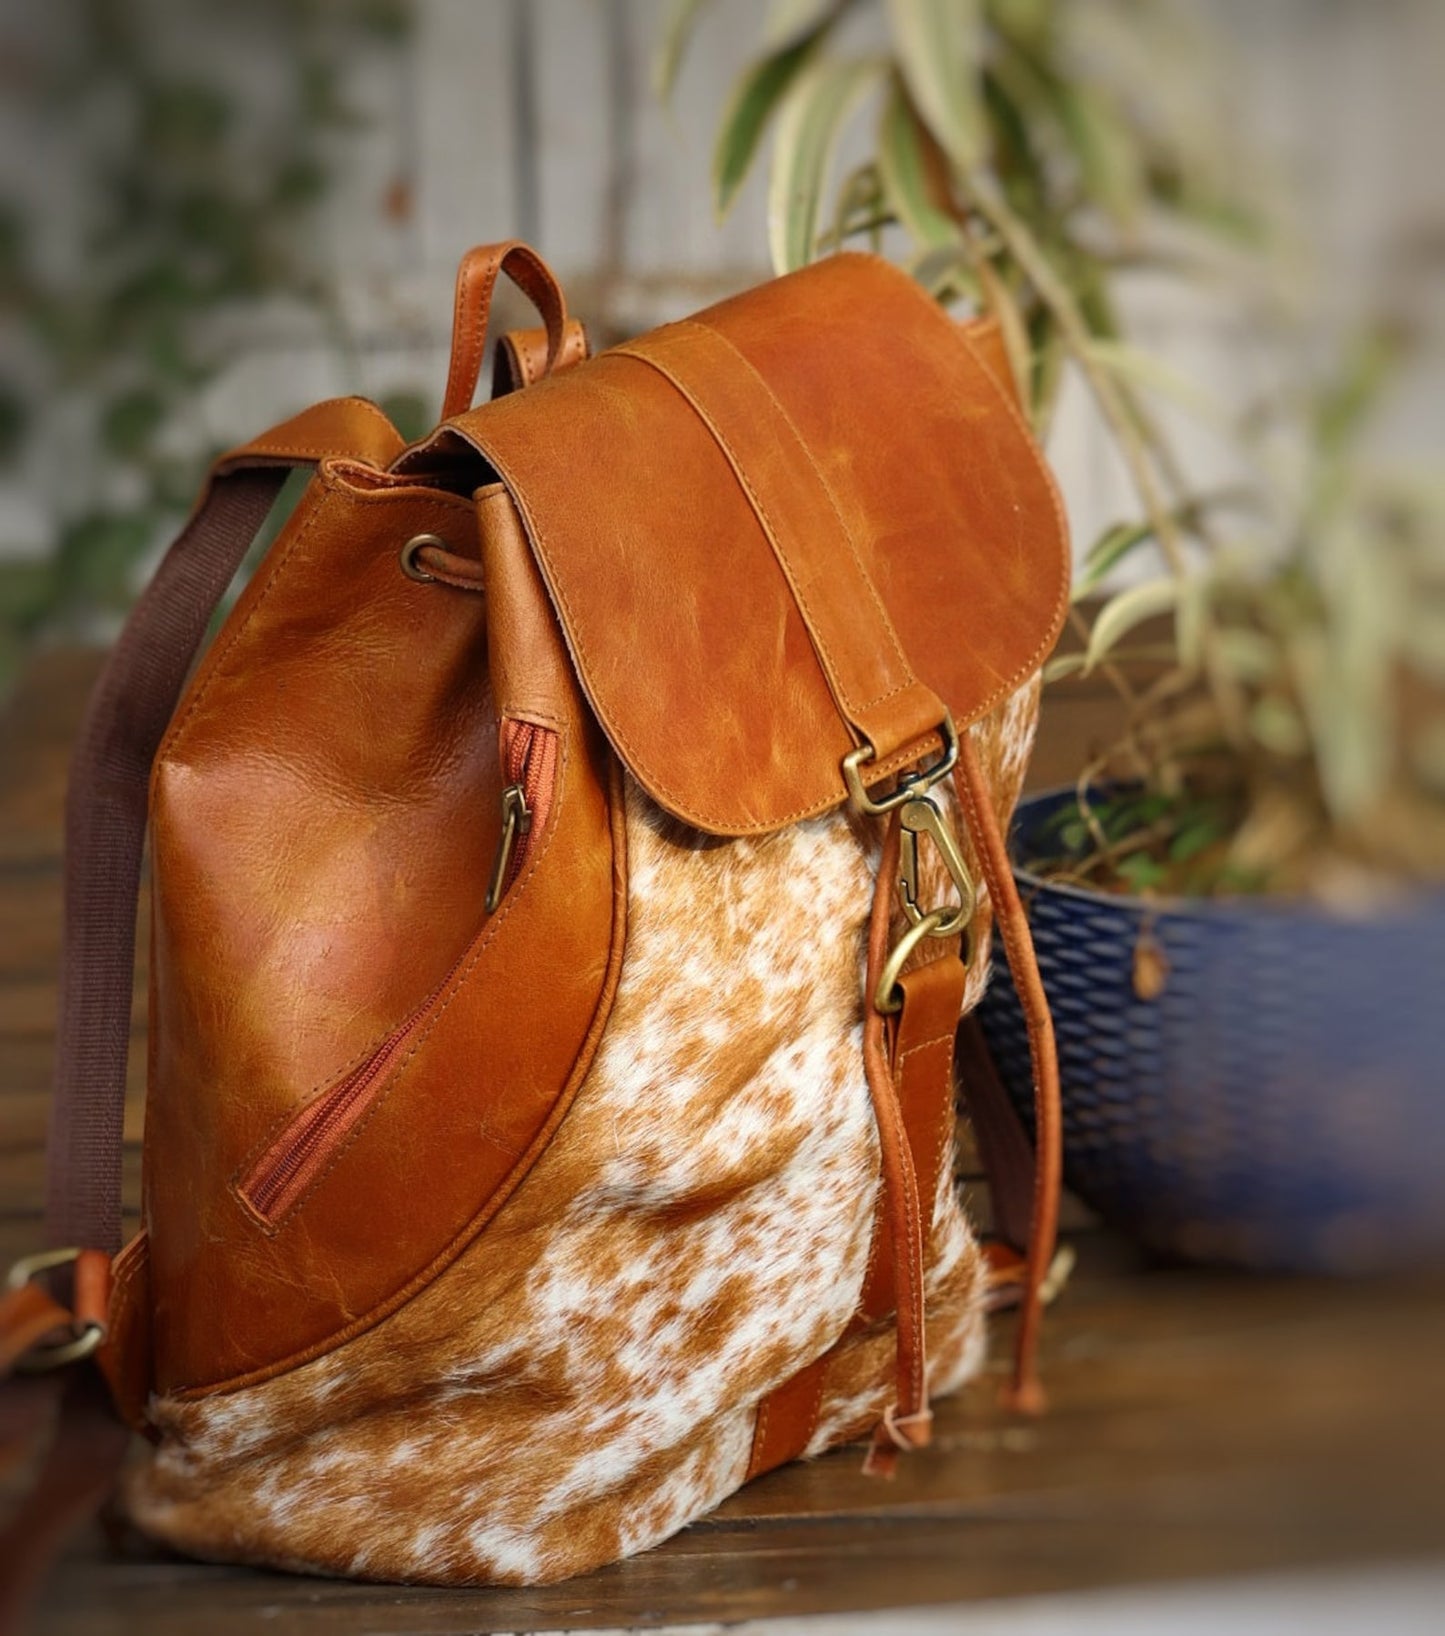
(476, 282)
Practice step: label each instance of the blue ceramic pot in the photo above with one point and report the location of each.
(1279, 1105)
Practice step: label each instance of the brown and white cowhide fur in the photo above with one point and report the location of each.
(585, 1378)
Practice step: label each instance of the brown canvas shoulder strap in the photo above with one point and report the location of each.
(105, 819)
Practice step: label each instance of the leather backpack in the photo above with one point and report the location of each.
(569, 865)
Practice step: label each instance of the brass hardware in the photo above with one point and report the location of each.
(921, 815)
(917, 783)
(408, 555)
(84, 1338)
(885, 999)
(516, 820)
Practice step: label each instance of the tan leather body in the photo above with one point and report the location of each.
(662, 591)
(324, 816)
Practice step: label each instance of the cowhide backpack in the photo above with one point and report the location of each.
(569, 865)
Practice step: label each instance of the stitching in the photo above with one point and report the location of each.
(817, 1401)
(945, 1115)
(765, 518)
(760, 1434)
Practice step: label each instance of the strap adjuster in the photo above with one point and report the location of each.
(916, 784)
(85, 1335)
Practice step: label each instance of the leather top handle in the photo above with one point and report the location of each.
(476, 282)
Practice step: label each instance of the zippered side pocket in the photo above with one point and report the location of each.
(304, 1148)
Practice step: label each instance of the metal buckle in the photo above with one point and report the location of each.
(918, 783)
(84, 1338)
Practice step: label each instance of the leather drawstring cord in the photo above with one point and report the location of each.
(1025, 1393)
(908, 1424)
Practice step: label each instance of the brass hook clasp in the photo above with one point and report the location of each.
(921, 815)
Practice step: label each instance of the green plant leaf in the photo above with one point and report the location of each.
(1277, 725)
(754, 100)
(26, 591)
(810, 122)
(1124, 612)
(1249, 656)
(1064, 665)
(1111, 548)
(1025, 21)
(787, 19)
(1141, 872)
(940, 50)
(945, 272)
(1110, 160)
(1145, 369)
(672, 43)
(903, 165)
(98, 554)
(128, 425)
(1197, 833)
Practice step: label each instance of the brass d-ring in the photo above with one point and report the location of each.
(408, 555)
(885, 997)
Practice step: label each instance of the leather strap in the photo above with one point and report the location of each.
(921, 1067)
(1026, 1393)
(521, 358)
(1024, 1185)
(1003, 1145)
(810, 532)
(78, 1474)
(476, 283)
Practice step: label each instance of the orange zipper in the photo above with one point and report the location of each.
(529, 757)
(302, 1151)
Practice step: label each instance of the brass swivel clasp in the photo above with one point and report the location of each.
(921, 816)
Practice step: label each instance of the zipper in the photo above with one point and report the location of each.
(305, 1147)
(294, 1160)
(529, 757)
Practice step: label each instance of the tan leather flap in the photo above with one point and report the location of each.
(787, 526)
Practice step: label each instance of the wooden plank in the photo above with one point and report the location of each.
(1198, 1425)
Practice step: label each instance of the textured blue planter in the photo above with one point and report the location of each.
(1280, 1105)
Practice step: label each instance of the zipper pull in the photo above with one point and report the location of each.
(516, 820)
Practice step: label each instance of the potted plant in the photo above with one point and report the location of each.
(1237, 905)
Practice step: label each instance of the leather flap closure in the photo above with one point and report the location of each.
(788, 526)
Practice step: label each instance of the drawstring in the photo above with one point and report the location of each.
(908, 1423)
(1025, 1394)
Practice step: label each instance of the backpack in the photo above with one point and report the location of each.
(569, 865)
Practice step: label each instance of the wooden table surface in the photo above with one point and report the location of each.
(1201, 1424)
